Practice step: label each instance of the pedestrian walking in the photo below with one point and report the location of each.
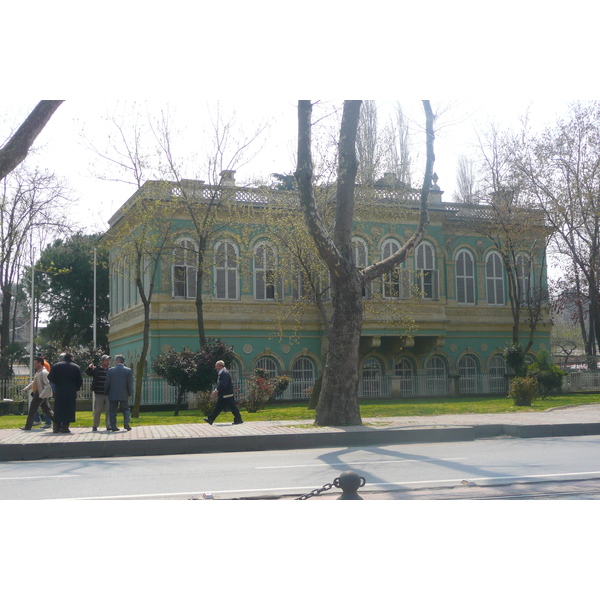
(40, 392)
(225, 396)
(66, 376)
(98, 375)
(119, 388)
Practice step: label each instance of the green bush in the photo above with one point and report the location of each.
(524, 390)
(205, 403)
(548, 375)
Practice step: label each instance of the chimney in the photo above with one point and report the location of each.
(227, 178)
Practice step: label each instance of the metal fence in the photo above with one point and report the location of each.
(584, 381)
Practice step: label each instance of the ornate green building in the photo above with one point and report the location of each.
(454, 290)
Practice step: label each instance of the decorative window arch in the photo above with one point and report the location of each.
(427, 274)
(436, 376)
(185, 263)
(404, 370)
(267, 285)
(465, 278)
(371, 379)
(494, 277)
(524, 277)
(226, 271)
(268, 364)
(303, 376)
(360, 258)
(467, 368)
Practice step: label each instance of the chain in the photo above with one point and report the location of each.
(326, 487)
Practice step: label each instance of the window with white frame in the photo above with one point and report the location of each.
(497, 374)
(267, 285)
(268, 364)
(436, 378)
(467, 368)
(226, 271)
(303, 376)
(371, 380)
(396, 283)
(404, 370)
(427, 274)
(494, 277)
(524, 277)
(360, 257)
(185, 260)
(465, 278)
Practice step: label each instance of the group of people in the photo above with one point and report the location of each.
(112, 388)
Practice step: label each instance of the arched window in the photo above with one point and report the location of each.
(185, 261)
(494, 278)
(267, 364)
(436, 378)
(226, 271)
(234, 370)
(404, 370)
(427, 274)
(467, 368)
(303, 377)
(371, 380)
(360, 257)
(396, 284)
(497, 372)
(267, 285)
(465, 278)
(524, 277)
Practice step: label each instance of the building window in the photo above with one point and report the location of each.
(226, 272)
(371, 380)
(396, 283)
(494, 279)
(360, 257)
(524, 278)
(267, 364)
(436, 378)
(404, 370)
(497, 375)
(303, 377)
(467, 368)
(185, 260)
(465, 278)
(427, 274)
(267, 286)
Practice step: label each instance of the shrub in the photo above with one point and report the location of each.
(548, 375)
(524, 390)
(514, 356)
(205, 403)
(280, 384)
(260, 390)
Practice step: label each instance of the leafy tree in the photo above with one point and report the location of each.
(338, 403)
(65, 286)
(192, 371)
(549, 376)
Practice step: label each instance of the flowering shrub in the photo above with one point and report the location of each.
(205, 403)
(260, 389)
(524, 390)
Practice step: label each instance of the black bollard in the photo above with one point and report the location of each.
(349, 481)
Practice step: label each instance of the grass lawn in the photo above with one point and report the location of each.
(371, 408)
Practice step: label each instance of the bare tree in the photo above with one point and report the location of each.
(338, 402)
(466, 184)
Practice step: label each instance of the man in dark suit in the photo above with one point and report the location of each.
(119, 388)
(66, 376)
(224, 393)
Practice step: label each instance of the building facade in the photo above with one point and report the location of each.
(453, 294)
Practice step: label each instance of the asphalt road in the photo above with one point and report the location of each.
(415, 470)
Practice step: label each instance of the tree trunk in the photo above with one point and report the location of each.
(141, 364)
(180, 395)
(338, 402)
(5, 332)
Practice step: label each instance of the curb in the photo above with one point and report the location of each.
(253, 443)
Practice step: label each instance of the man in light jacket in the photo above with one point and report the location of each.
(41, 391)
(119, 388)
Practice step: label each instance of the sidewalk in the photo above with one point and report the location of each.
(284, 435)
